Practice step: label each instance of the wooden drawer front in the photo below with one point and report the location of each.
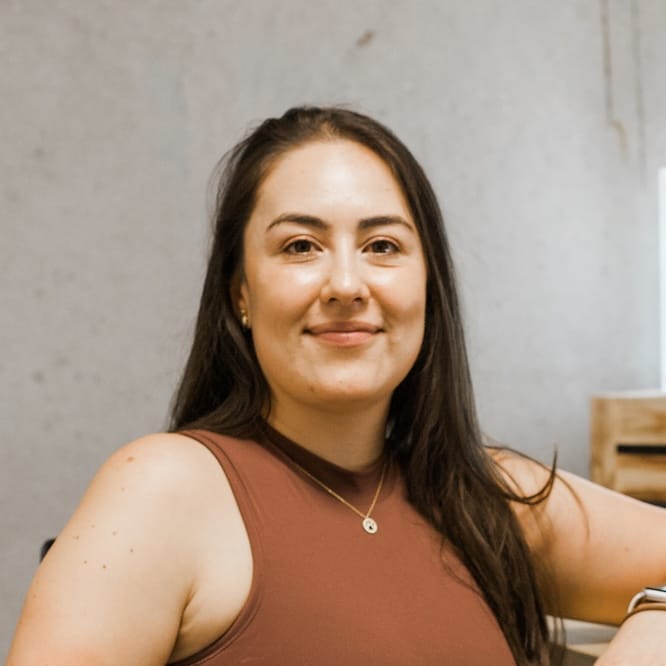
(628, 445)
(641, 475)
(640, 421)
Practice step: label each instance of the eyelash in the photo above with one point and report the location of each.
(290, 247)
(394, 247)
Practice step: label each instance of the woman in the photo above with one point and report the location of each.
(343, 506)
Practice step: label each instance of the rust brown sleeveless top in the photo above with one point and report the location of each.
(324, 591)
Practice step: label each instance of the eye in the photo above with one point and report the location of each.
(382, 246)
(300, 246)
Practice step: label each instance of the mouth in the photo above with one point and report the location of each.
(344, 333)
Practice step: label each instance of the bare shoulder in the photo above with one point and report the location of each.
(163, 481)
(176, 455)
(170, 464)
(524, 475)
(124, 570)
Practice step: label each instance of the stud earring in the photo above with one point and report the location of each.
(245, 322)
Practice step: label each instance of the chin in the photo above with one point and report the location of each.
(352, 393)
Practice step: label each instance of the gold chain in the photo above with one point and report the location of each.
(342, 499)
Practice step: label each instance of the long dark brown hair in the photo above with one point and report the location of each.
(432, 431)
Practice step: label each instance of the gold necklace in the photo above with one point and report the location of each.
(369, 524)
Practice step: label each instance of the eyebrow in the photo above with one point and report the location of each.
(321, 225)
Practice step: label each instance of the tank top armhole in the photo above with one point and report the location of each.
(250, 521)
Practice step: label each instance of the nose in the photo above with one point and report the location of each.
(345, 282)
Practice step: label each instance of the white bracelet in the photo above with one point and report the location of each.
(647, 595)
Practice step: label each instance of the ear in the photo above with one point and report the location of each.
(243, 299)
(239, 293)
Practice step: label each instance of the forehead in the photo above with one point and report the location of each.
(333, 174)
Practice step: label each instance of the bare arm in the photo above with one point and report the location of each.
(598, 546)
(116, 584)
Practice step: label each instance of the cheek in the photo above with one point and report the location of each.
(405, 297)
(412, 335)
(278, 295)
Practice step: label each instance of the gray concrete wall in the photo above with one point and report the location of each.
(542, 125)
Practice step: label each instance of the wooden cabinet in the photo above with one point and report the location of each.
(628, 443)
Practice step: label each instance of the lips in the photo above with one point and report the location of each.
(343, 327)
(344, 333)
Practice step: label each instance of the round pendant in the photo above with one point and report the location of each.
(369, 525)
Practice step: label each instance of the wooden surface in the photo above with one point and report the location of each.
(628, 443)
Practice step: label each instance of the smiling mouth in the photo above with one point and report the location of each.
(344, 334)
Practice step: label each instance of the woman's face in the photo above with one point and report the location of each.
(334, 281)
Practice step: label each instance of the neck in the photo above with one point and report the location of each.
(353, 439)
